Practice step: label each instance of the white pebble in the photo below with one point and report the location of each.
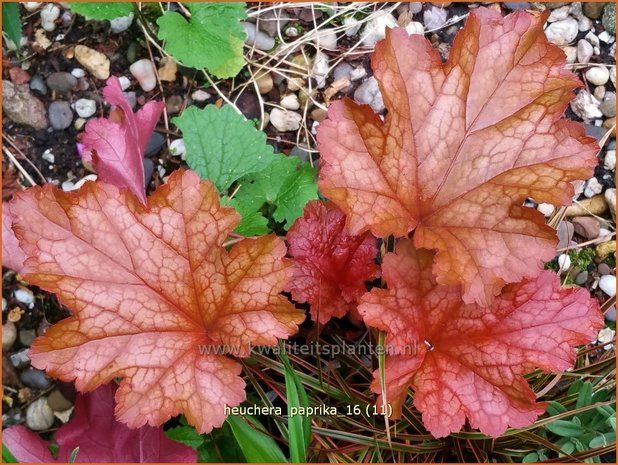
(39, 416)
(146, 74)
(546, 208)
(200, 95)
(4, 304)
(25, 296)
(586, 106)
(358, 73)
(415, 28)
(84, 180)
(290, 102)
(284, 120)
(85, 108)
(593, 187)
(352, 25)
(597, 75)
(607, 37)
(584, 51)
(291, 32)
(606, 335)
(78, 73)
(67, 186)
(320, 69)
(79, 123)
(49, 14)
(119, 25)
(610, 160)
(607, 284)
(326, 39)
(375, 29)
(564, 262)
(562, 32)
(48, 156)
(31, 6)
(177, 148)
(434, 17)
(593, 39)
(559, 14)
(125, 82)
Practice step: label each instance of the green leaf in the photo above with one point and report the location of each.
(185, 435)
(73, 455)
(568, 448)
(565, 428)
(299, 425)
(102, 10)
(7, 456)
(213, 38)
(256, 445)
(11, 22)
(532, 457)
(220, 446)
(286, 184)
(603, 440)
(584, 397)
(555, 408)
(222, 145)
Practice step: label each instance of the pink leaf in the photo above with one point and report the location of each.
(117, 148)
(99, 436)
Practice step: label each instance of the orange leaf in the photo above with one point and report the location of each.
(464, 143)
(156, 299)
(466, 361)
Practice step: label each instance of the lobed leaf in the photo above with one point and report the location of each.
(117, 147)
(156, 298)
(99, 437)
(12, 255)
(222, 146)
(463, 144)
(464, 361)
(285, 185)
(212, 38)
(330, 264)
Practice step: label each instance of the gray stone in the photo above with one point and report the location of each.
(148, 170)
(37, 83)
(20, 359)
(581, 278)
(35, 379)
(608, 106)
(22, 107)
(26, 336)
(60, 115)
(155, 143)
(57, 402)
(517, 5)
(565, 232)
(611, 314)
(609, 18)
(257, 38)
(369, 93)
(61, 82)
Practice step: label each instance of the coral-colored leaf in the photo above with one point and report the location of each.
(117, 148)
(330, 265)
(12, 255)
(153, 294)
(467, 361)
(99, 436)
(463, 144)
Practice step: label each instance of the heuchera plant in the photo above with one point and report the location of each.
(152, 282)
